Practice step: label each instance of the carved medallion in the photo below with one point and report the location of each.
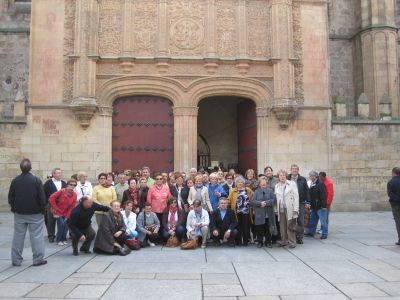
(187, 34)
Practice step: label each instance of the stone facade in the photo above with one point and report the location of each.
(304, 63)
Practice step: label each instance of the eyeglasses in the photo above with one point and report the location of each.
(158, 178)
(72, 185)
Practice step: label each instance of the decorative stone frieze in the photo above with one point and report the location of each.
(285, 111)
(84, 109)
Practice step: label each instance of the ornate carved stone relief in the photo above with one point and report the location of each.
(226, 24)
(69, 26)
(145, 27)
(110, 27)
(186, 27)
(258, 28)
(297, 49)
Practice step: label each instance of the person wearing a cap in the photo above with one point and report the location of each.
(318, 201)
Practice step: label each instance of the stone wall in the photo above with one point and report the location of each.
(362, 159)
(14, 60)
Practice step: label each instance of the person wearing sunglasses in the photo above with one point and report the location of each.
(62, 203)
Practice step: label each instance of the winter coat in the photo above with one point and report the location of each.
(291, 197)
(261, 213)
(105, 235)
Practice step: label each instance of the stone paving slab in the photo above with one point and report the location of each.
(238, 254)
(88, 292)
(281, 278)
(52, 290)
(223, 290)
(315, 297)
(379, 268)
(391, 288)
(343, 272)
(149, 289)
(13, 290)
(359, 290)
(226, 279)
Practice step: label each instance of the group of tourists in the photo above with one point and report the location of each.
(134, 209)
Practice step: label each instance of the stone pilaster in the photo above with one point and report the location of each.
(284, 103)
(185, 137)
(211, 29)
(3, 6)
(84, 104)
(378, 36)
(162, 28)
(242, 29)
(262, 138)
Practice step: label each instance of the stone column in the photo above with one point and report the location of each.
(378, 35)
(185, 137)
(284, 104)
(84, 103)
(262, 138)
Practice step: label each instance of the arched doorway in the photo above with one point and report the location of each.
(142, 133)
(229, 125)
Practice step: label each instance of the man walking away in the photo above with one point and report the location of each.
(393, 191)
(27, 200)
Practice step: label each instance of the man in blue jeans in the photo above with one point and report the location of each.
(318, 206)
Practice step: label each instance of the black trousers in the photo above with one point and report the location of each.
(243, 229)
(89, 233)
(50, 222)
(221, 233)
(396, 216)
(263, 231)
(160, 231)
(277, 237)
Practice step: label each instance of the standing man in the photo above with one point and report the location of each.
(146, 174)
(83, 187)
(304, 197)
(393, 191)
(121, 186)
(318, 206)
(51, 186)
(329, 192)
(27, 200)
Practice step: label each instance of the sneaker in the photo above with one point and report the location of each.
(203, 246)
(40, 263)
(60, 243)
(151, 244)
(319, 231)
(65, 243)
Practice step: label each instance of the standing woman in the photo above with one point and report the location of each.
(199, 192)
(158, 196)
(251, 180)
(287, 198)
(62, 203)
(131, 194)
(180, 192)
(239, 199)
(103, 194)
(142, 192)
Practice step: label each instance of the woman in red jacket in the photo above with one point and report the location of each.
(62, 203)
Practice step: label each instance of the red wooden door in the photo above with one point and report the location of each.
(247, 136)
(143, 134)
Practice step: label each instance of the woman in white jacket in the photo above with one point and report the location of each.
(287, 199)
(129, 220)
(198, 222)
(199, 192)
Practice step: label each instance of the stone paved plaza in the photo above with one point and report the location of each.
(358, 260)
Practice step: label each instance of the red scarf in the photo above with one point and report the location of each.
(133, 195)
(172, 211)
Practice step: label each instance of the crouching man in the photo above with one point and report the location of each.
(223, 224)
(80, 224)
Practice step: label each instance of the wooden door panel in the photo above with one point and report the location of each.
(143, 133)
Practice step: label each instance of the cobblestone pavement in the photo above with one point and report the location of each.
(358, 260)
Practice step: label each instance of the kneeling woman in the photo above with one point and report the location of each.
(111, 235)
(172, 220)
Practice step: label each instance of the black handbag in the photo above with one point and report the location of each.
(294, 227)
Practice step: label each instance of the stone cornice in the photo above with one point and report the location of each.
(186, 111)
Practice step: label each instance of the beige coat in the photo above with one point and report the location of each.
(291, 199)
(205, 198)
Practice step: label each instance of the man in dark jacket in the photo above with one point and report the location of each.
(80, 222)
(51, 186)
(318, 206)
(393, 191)
(304, 197)
(223, 224)
(27, 200)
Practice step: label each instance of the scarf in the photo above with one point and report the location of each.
(198, 220)
(172, 212)
(132, 192)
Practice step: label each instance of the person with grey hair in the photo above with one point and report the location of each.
(27, 200)
(287, 198)
(215, 191)
(51, 186)
(121, 186)
(239, 200)
(198, 223)
(318, 201)
(83, 187)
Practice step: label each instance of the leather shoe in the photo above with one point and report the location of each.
(51, 240)
(85, 251)
(16, 265)
(40, 263)
(259, 245)
(268, 245)
(398, 243)
(299, 241)
(323, 237)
